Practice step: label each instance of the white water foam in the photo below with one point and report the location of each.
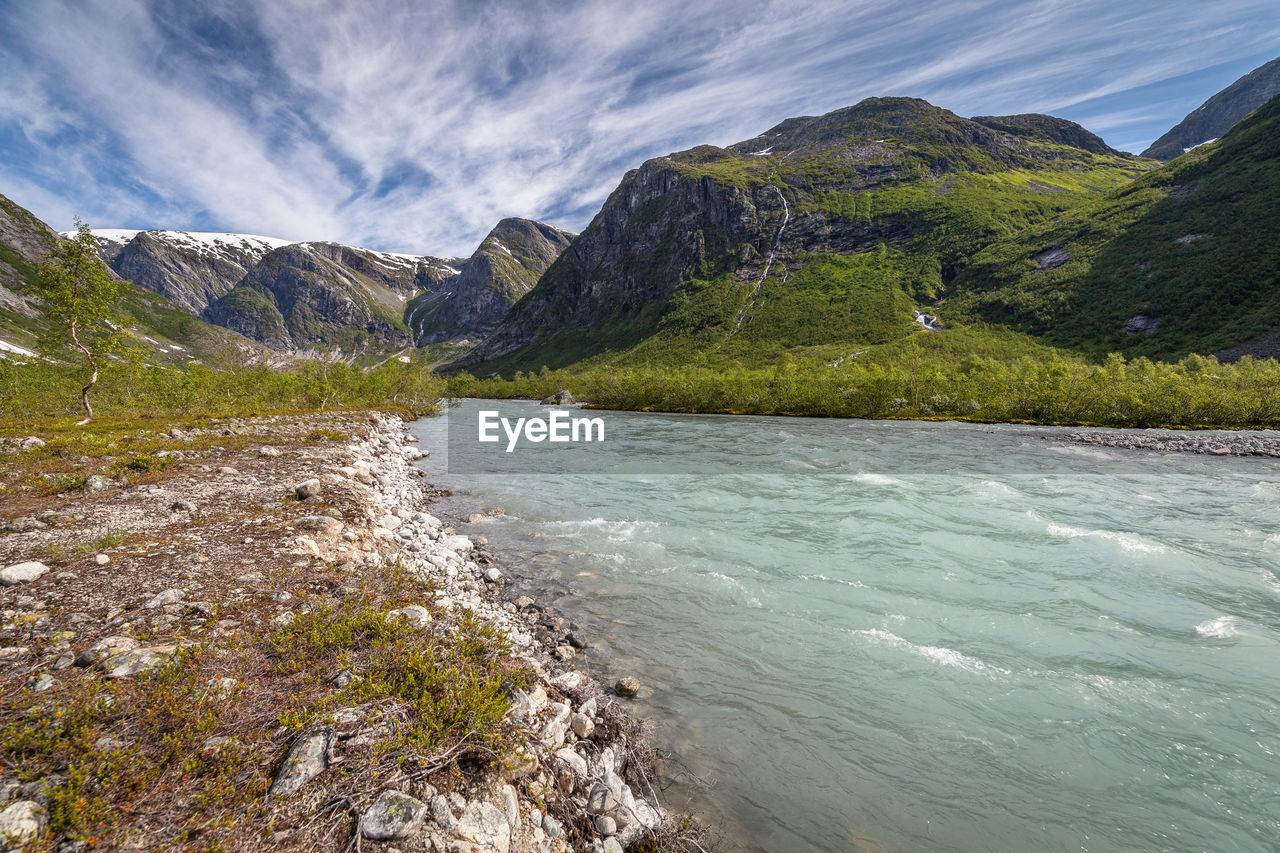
(858, 584)
(1221, 627)
(998, 488)
(938, 654)
(1128, 541)
(876, 479)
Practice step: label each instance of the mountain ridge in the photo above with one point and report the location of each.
(1219, 113)
(811, 192)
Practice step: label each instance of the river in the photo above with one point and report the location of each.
(904, 636)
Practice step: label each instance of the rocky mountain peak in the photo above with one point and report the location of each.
(1216, 116)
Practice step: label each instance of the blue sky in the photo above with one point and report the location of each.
(415, 127)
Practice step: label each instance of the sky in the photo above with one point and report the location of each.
(415, 126)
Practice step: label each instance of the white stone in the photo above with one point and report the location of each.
(484, 825)
(169, 596)
(23, 573)
(20, 823)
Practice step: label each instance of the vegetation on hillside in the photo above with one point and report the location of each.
(40, 391)
(1190, 246)
(966, 375)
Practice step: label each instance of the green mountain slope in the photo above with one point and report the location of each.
(1185, 259)
(823, 233)
(1217, 115)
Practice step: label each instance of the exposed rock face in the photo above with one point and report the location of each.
(506, 266)
(773, 200)
(24, 241)
(320, 294)
(1216, 116)
(189, 272)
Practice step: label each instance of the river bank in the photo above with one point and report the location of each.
(214, 636)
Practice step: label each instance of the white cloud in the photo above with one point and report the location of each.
(523, 108)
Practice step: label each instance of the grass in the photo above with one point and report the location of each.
(104, 542)
(44, 395)
(132, 757)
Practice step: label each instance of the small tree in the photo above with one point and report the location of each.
(78, 295)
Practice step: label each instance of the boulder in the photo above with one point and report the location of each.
(393, 816)
(129, 663)
(484, 825)
(415, 614)
(169, 596)
(21, 823)
(99, 483)
(307, 489)
(306, 759)
(560, 398)
(23, 524)
(627, 687)
(23, 573)
(105, 648)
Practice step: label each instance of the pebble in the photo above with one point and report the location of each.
(552, 827)
(554, 731)
(442, 814)
(510, 806)
(581, 725)
(101, 559)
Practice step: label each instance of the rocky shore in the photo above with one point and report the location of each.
(233, 636)
(1214, 443)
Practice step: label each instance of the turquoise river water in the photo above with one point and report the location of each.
(897, 636)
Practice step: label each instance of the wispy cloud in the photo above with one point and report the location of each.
(415, 127)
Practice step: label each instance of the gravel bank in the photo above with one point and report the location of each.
(252, 526)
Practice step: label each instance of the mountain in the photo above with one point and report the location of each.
(822, 231)
(24, 242)
(1216, 116)
(191, 269)
(310, 296)
(506, 266)
(1185, 259)
(168, 333)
